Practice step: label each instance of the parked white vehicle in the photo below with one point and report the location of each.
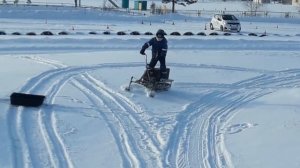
(225, 22)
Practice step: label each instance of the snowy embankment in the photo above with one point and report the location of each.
(42, 44)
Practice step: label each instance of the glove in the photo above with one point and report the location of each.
(142, 51)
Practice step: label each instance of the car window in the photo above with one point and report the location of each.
(229, 17)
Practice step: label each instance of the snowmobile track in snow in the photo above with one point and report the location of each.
(206, 120)
(66, 74)
(200, 127)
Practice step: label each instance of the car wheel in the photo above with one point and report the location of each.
(221, 28)
(211, 26)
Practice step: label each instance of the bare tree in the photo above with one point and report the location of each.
(179, 2)
(298, 6)
(153, 7)
(107, 5)
(252, 6)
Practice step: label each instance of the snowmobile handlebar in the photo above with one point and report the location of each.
(146, 59)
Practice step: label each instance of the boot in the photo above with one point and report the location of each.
(163, 76)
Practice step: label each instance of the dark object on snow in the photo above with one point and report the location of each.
(188, 34)
(106, 32)
(252, 34)
(263, 35)
(2, 33)
(47, 33)
(213, 34)
(175, 34)
(63, 33)
(121, 33)
(29, 100)
(201, 34)
(93, 33)
(149, 33)
(227, 34)
(31, 34)
(16, 33)
(135, 33)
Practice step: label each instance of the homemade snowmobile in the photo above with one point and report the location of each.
(152, 80)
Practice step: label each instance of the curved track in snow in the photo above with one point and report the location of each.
(201, 126)
(49, 83)
(196, 140)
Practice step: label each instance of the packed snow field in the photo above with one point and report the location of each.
(234, 101)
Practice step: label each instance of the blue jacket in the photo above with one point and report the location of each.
(159, 48)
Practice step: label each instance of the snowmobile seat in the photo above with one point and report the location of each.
(155, 74)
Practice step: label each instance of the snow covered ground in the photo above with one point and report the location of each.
(234, 101)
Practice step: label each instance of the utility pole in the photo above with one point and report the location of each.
(173, 6)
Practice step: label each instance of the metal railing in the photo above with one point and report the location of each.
(191, 13)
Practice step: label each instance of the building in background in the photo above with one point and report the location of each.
(296, 3)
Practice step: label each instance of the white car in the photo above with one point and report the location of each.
(225, 22)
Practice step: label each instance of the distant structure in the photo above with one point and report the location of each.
(179, 2)
(77, 3)
(114, 3)
(262, 1)
(296, 3)
(287, 2)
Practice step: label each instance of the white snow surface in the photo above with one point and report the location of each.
(234, 101)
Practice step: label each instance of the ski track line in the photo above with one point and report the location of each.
(282, 79)
(214, 67)
(23, 122)
(212, 145)
(135, 111)
(49, 115)
(275, 81)
(22, 133)
(227, 68)
(147, 144)
(174, 156)
(112, 125)
(89, 77)
(215, 156)
(28, 120)
(57, 85)
(120, 126)
(38, 79)
(20, 151)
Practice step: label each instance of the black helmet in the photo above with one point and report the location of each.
(160, 33)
